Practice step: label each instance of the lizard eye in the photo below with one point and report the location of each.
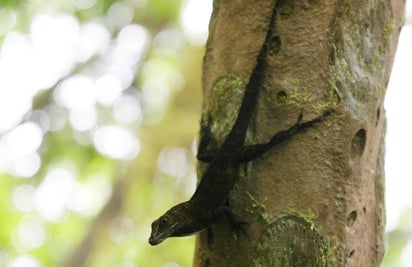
(164, 220)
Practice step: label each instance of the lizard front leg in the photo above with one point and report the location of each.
(252, 152)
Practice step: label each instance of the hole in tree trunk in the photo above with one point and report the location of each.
(352, 218)
(358, 145)
(275, 44)
(281, 97)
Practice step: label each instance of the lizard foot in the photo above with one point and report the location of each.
(236, 224)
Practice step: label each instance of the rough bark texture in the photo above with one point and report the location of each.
(318, 199)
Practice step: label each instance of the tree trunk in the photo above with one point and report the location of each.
(317, 199)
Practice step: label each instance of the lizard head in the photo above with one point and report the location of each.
(173, 223)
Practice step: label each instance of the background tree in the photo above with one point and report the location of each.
(317, 200)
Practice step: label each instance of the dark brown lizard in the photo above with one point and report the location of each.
(208, 203)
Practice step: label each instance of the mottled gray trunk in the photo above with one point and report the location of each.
(318, 199)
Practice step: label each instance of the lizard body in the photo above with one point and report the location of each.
(208, 203)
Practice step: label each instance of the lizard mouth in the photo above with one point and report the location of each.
(158, 236)
(155, 241)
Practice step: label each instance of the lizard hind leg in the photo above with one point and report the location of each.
(237, 225)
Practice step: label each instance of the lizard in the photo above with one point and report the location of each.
(208, 203)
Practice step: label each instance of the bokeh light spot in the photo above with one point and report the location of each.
(76, 92)
(23, 140)
(195, 20)
(108, 89)
(83, 119)
(131, 42)
(27, 166)
(116, 142)
(31, 233)
(121, 230)
(8, 20)
(84, 4)
(128, 110)
(119, 14)
(94, 39)
(24, 261)
(50, 197)
(173, 161)
(23, 198)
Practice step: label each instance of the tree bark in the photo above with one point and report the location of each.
(317, 199)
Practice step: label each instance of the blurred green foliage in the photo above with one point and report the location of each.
(398, 245)
(129, 194)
